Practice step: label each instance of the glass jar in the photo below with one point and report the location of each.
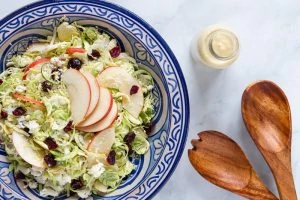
(216, 47)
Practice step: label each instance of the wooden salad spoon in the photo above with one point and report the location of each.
(266, 113)
(221, 161)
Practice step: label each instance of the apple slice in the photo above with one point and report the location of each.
(34, 64)
(26, 152)
(38, 48)
(95, 158)
(79, 93)
(95, 91)
(102, 108)
(103, 141)
(104, 123)
(119, 78)
(101, 188)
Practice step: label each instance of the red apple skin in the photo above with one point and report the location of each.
(99, 126)
(95, 92)
(91, 120)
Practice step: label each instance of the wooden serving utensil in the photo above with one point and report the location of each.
(222, 162)
(267, 116)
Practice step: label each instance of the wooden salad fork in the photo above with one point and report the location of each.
(221, 161)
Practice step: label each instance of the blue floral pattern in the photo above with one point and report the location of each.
(142, 54)
(4, 172)
(159, 145)
(19, 28)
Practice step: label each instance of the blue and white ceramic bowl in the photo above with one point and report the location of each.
(141, 41)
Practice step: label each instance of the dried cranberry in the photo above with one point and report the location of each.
(56, 74)
(130, 151)
(50, 143)
(115, 52)
(128, 139)
(55, 69)
(4, 114)
(74, 63)
(69, 127)
(90, 57)
(94, 55)
(1, 81)
(134, 89)
(50, 160)
(46, 86)
(148, 128)
(76, 184)
(26, 129)
(19, 111)
(20, 176)
(111, 158)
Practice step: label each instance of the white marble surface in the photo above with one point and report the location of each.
(269, 32)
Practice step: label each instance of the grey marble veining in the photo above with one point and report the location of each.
(269, 33)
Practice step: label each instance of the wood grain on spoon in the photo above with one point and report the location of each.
(266, 113)
(222, 162)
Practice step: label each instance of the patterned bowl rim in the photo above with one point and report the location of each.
(164, 45)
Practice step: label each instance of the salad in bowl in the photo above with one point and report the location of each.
(75, 110)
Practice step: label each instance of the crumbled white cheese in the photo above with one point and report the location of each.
(100, 44)
(21, 88)
(56, 61)
(97, 170)
(63, 179)
(33, 184)
(36, 171)
(55, 126)
(85, 193)
(48, 192)
(33, 126)
(59, 125)
(67, 150)
(21, 122)
(21, 125)
(41, 179)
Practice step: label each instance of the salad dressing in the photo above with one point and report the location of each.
(216, 47)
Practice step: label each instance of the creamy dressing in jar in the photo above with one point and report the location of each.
(216, 47)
